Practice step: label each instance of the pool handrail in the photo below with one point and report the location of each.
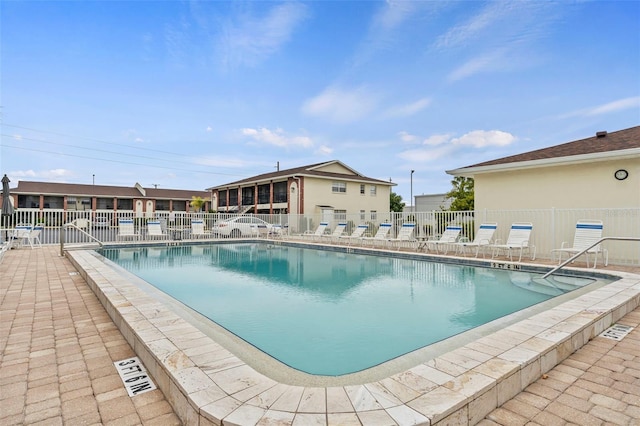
(583, 251)
(73, 225)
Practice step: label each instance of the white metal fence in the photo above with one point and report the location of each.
(550, 226)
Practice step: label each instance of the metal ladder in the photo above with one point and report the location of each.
(581, 252)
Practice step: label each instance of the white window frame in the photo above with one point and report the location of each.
(374, 214)
(373, 191)
(338, 187)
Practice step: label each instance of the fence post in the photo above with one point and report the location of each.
(62, 240)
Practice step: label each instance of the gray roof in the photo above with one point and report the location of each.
(600, 143)
(308, 170)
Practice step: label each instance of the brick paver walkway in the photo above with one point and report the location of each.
(58, 345)
(57, 349)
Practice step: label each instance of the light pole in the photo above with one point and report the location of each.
(413, 207)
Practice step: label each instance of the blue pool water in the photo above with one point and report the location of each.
(333, 313)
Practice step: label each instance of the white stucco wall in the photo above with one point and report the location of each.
(586, 185)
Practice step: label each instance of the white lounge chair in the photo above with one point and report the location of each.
(381, 235)
(446, 240)
(318, 233)
(405, 235)
(154, 229)
(588, 232)
(358, 233)
(482, 239)
(337, 232)
(197, 229)
(518, 239)
(126, 229)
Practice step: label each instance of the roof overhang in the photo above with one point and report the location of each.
(624, 154)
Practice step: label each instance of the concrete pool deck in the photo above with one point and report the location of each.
(59, 345)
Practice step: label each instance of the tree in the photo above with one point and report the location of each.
(395, 202)
(462, 194)
(197, 203)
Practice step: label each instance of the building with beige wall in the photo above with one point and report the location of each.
(602, 171)
(327, 189)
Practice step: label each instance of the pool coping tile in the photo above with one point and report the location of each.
(205, 383)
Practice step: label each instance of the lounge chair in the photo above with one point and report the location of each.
(318, 233)
(337, 232)
(405, 235)
(446, 240)
(380, 236)
(359, 232)
(482, 239)
(588, 232)
(154, 229)
(126, 229)
(197, 229)
(518, 239)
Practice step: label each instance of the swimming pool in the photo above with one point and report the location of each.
(330, 312)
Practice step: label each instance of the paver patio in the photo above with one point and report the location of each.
(58, 346)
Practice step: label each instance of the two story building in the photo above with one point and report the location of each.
(70, 197)
(330, 189)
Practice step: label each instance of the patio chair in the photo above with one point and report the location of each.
(518, 239)
(27, 234)
(154, 229)
(126, 229)
(588, 232)
(405, 235)
(482, 239)
(359, 232)
(197, 229)
(337, 232)
(318, 233)
(446, 240)
(381, 234)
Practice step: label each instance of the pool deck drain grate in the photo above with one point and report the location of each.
(617, 332)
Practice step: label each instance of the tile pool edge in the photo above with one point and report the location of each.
(207, 384)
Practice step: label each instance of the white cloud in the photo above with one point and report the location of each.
(324, 150)
(209, 129)
(408, 109)
(440, 146)
(277, 137)
(341, 106)
(435, 140)
(424, 155)
(462, 33)
(483, 138)
(407, 137)
(249, 40)
(619, 105)
(496, 60)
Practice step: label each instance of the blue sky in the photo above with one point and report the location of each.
(189, 95)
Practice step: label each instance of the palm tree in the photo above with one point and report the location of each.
(197, 203)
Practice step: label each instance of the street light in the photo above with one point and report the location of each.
(413, 207)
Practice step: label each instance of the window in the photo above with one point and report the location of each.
(374, 215)
(280, 192)
(340, 214)
(339, 187)
(373, 190)
(361, 214)
(362, 189)
(222, 198)
(125, 204)
(264, 192)
(179, 206)
(162, 205)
